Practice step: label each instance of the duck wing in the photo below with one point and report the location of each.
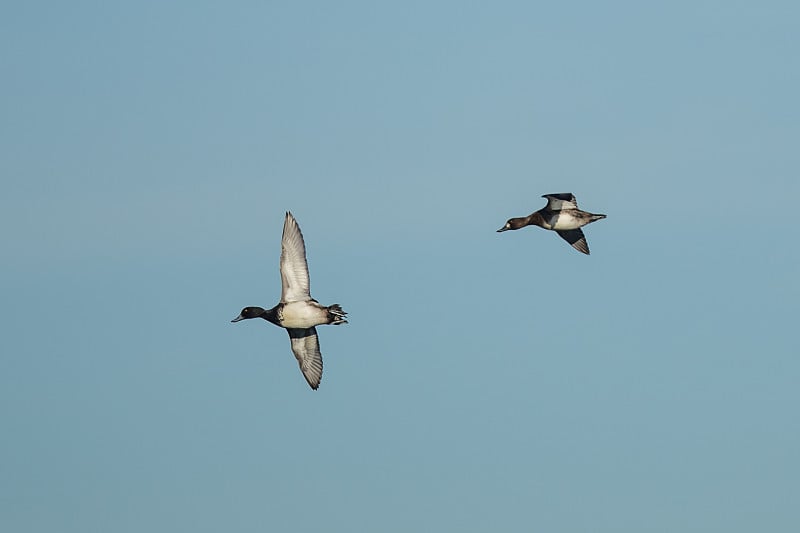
(576, 239)
(305, 346)
(294, 268)
(559, 201)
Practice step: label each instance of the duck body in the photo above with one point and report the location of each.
(561, 214)
(563, 220)
(308, 314)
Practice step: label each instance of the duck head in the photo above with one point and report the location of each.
(513, 223)
(249, 312)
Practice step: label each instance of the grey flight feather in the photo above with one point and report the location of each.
(305, 346)
(576, 238)
(294, 268)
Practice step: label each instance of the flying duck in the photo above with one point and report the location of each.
(298, 312)
(561, 214)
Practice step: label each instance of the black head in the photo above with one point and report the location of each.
(512, 223)
(249, 312)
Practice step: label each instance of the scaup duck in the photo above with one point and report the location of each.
(561, 214)
(297, 311)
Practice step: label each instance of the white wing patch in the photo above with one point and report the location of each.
(294, 268)
(559, 201)
(305, 346)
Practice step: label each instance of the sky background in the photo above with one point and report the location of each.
(486, 381)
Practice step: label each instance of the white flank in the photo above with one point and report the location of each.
(303, 315)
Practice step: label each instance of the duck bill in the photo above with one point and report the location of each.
(238, 318)
(501, 230)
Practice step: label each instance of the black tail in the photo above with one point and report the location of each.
(336, 315)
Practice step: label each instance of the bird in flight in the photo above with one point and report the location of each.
(561, 214)
(297, 312)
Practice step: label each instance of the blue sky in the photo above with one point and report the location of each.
(486, 381)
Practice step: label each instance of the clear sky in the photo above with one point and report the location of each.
(486, 381)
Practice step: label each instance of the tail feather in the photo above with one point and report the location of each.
(336, 314)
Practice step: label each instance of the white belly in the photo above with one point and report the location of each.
(565, 221)
(303, 315)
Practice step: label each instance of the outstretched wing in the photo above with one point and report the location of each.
(576, 239)
(305, 345)
(294, 269)
(559, 201)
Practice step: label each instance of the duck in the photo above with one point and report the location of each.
(561, 214)
(297, 312)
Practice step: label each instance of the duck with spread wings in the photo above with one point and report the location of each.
(561, 214)
(298, 312)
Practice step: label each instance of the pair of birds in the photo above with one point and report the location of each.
(299, 313)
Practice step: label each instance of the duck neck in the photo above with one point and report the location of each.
(271, 315)
(536, 219)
